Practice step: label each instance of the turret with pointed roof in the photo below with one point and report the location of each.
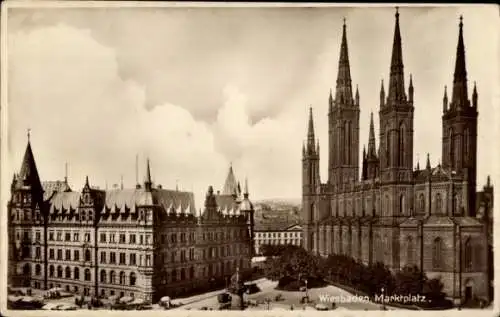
(230, 185)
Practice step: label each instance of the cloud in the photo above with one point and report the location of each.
(196, 90)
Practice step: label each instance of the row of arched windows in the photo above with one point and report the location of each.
(121, 281)
(66, 273)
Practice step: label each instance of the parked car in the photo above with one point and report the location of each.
(224, 298)
(252, 288)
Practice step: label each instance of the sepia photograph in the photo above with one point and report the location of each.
(199, 157)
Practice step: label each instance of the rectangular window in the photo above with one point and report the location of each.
(148, 240)
(183, 255)
(132, 239)
(103, 237)
(67, 236)
(76, 237)
(122, 258)
(112, 238)
(103, 257)
(112, 258)
(59, 236)
(148, 260)
(141, 239)
(59, 254)
(68, 255)
(132, 259)
(38, 253)
(87, 237)
(37, 236)
(51, 254)
(76, 255)
(173, 256)
(122, 238)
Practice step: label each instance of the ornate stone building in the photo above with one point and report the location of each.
(396, 213)
(143, 243)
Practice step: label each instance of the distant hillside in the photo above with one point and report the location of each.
(280, 202)
(280, 210)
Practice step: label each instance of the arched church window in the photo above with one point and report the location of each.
(402, 204)
(439, 204)
(452, 148)
(410, 251)
(402, 149)
(437, 249)
(466, 144)
(421, 204)
(468, 255)
(311, 212)
(388, 146)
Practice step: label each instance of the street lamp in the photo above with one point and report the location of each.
(383, 298)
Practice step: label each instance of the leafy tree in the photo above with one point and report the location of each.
(409, 280)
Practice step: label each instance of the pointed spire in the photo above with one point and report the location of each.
(460, 95)
(371, 139)
(87, 184)
(428, 164)
(396, 83)
(148, 183)
(310, 133)
(343, 93)
(330, 101)
(445, 100)
(357, 96)
(245, 191)
(488, 181)
(410, 89)
(29, 172)
(474, 96)
(230, 185)
(382, 94)
(364, 152)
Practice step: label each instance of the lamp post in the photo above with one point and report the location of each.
(383, 298)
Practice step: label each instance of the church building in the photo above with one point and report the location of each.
(390, 210)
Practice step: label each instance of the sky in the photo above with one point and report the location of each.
(199, 89)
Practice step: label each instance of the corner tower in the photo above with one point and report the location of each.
(343, 123)
(459, 144)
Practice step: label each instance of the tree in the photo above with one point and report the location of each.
(409, 280)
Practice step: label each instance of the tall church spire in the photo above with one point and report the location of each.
(371, 139)
(310, 132)
(344, 89)
(396, 82)
(459, 95)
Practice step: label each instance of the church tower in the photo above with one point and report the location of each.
(343, 122)
(459, 144)
(396, 120)
(310, 184)
(370, 159)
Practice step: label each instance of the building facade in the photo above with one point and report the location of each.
(277, 233)
(144, 243)
(396, 213)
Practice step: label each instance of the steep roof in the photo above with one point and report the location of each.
(231, 186)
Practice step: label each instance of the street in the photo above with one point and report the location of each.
(289, 299)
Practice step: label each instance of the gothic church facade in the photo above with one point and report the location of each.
(398, 214)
